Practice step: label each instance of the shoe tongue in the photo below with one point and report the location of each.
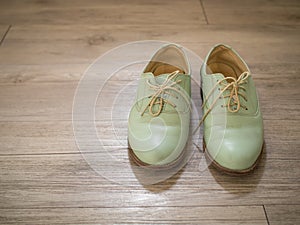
(220, 76)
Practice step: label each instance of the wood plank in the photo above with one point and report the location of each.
(252, 12)
(49, 73)
(43, 176)
(53, 101)
(41, 73)
(153, 215)
(82, 44)
(55, 137)
(40, 96)
(101, 33)
(67, 180)
(283, 214)
(94, 12)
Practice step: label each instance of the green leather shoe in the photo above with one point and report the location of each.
(233, 126)
(158, 124)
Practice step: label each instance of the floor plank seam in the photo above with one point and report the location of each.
(204, 12)
(282, 204)
(48, 154)
(128, 207)
(5, 34)
(97, 152)
(266, 215)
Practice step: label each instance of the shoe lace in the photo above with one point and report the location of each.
(234, 87)
(160, 91)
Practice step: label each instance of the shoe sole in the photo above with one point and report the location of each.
(230, 171)
(170, 165)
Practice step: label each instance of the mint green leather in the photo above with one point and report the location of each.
(158, 137)
(233, 139)
(160, 140)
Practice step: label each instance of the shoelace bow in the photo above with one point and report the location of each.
(234, 86)
(160, 90)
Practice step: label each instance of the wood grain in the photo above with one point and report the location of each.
(46, 179)
(74, 184)
(94, 12)
(83, 44)
(283, 214)
(43, 101)
(164, 215)
(18, 138)
(252, 12)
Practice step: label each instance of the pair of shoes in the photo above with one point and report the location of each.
(159, 121)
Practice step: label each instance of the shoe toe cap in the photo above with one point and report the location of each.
(160, 146)
(237, 150)
(159, 140)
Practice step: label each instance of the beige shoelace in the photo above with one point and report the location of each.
(161, 90)
(234, 86)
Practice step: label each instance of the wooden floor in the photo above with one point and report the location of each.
(44, 50)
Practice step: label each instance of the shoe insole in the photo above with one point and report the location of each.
(163, 68)
(224, 60)
(221, 67)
